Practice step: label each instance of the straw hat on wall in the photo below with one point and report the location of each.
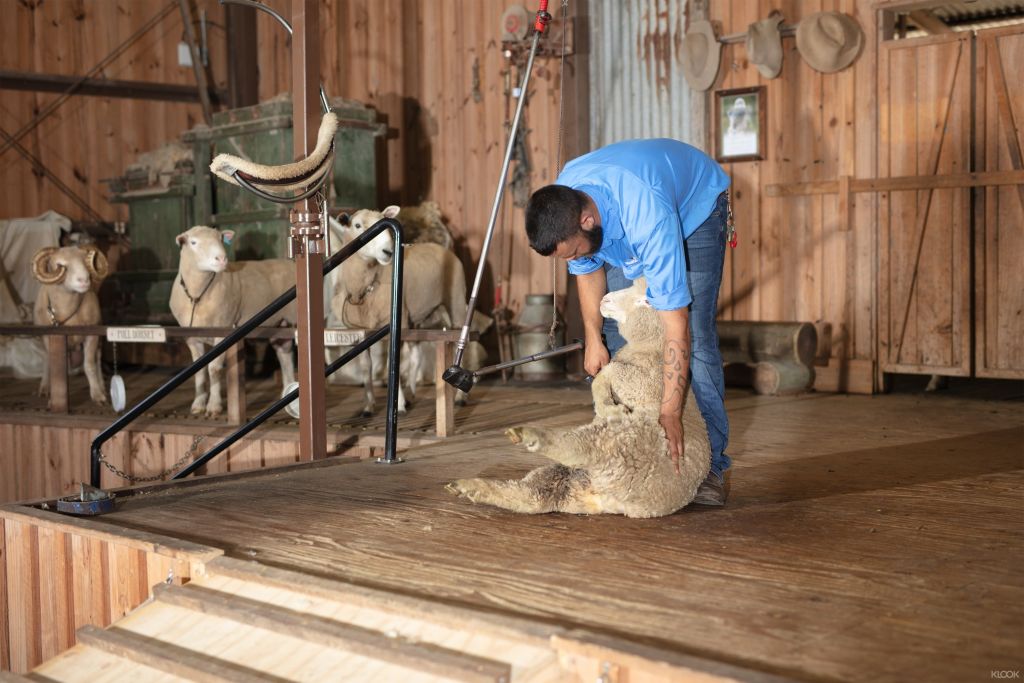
(701, 55)
(764, 45)
(829, 41)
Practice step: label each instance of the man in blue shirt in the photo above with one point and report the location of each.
(658, 209)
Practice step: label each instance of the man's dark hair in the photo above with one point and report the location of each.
(553, 216)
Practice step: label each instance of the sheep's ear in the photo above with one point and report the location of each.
(344, 219)
(226, 236)
(391, 211)
(181, 239)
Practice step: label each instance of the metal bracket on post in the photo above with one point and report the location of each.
(307, 233)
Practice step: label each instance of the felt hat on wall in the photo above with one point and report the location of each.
(701, 55)
(764, 45)
(829, 41)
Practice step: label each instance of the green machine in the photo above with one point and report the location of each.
(176, 191)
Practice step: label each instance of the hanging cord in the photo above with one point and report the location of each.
(53, 314)
(558, 169)
(195, 299)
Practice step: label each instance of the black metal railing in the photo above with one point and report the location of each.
(394, 327)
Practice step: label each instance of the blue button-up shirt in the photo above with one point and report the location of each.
(652, 195)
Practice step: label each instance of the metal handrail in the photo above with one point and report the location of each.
(394, 327)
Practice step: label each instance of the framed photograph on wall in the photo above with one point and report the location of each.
(740, 124)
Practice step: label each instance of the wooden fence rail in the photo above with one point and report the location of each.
(234, 367)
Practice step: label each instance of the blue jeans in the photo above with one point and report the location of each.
(705, 256)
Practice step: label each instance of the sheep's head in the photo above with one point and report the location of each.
(76, 268)
(382, 247)
(205, 247)
(631, 310)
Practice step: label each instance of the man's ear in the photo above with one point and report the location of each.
(586, 221)
(227, 235)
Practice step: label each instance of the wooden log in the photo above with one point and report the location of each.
(770, 378)
(751, 342)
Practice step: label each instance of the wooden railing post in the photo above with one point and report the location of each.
(444, 351)
(57, 358)
(234, 368)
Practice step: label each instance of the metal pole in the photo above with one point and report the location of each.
(460, 347)
(306, 236)
(394, 350)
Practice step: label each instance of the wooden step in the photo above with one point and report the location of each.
(423, 657)
(169, 658)
(524, 644)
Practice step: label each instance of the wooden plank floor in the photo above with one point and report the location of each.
(866, 538)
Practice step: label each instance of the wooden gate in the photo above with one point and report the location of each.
(924, 288)
(999, 227)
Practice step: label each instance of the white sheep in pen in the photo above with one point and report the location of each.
(70, 277)
(433, 280)
(211, 292)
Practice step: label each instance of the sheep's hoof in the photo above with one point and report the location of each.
(366, 413)
(452, 487)
(525, 436)
(213, 412)
(100, 399)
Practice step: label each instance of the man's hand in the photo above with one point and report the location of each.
(595, 357)
(673, 426)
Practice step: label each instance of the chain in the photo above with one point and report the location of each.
(564, 16)
(189, 454)
(115, 357)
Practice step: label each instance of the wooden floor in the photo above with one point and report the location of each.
(866, 538)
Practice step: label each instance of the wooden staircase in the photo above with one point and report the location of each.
(244, 622)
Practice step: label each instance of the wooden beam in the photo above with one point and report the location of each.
(197, 63)
(930, 23)
(899, 183)
(243, 74)
(309, 257)
(423, 657)
(169, 658)
(104, 87)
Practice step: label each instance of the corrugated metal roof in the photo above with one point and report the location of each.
(967, 11)
(638, 89)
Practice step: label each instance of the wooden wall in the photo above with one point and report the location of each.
(88, 139)
(433, 68)
(45, 595)
(47, 457)
(793, 262)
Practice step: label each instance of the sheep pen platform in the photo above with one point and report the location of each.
(866, 539)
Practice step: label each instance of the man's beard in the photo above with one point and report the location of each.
(594, 238)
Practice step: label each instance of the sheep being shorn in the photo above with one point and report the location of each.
(619, 462)
(211, 292)
(70, 277)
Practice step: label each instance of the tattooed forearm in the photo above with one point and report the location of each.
(676, 374)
